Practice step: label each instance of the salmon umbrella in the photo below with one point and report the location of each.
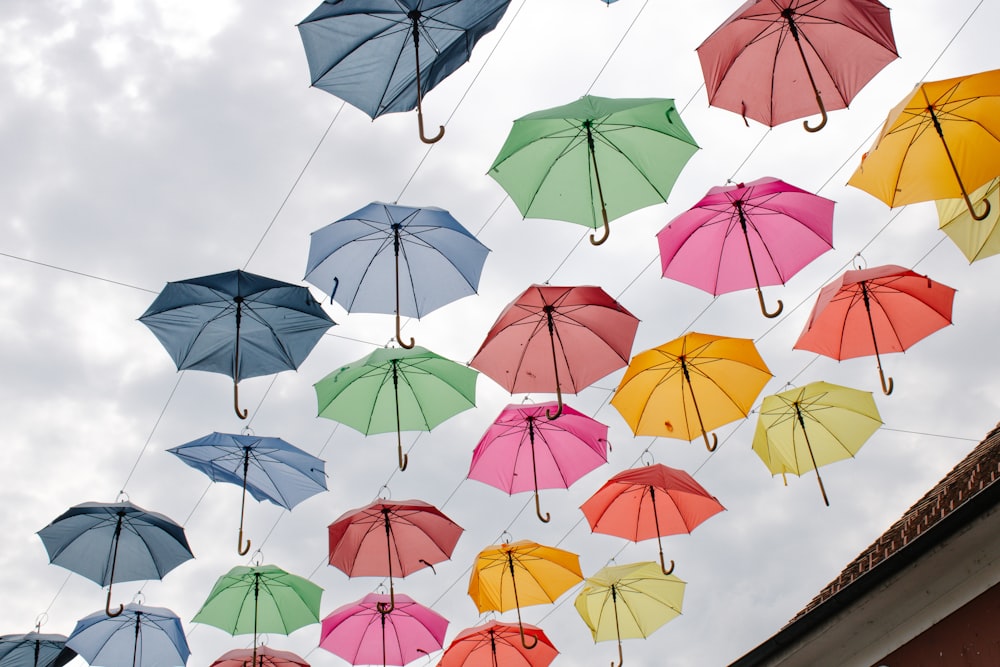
(493, 644)
(872, 311)
(265, 657)
(976, 239)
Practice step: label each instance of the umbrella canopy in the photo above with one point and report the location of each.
(594, 160)
(434, 259)
(238, 324)
(495, 643)
(746, 235)
(976, 239)
(557, 339)
(115, 542)
(522, 450)
(634, 600)
(138, 637)
(941, 142)
(807, 427)
(778, 60)
(647, 502)
(397, 389)
(691, 385)
(269, 468)
(34, 649)
(262, 656)
(391, 537)
(368, 53)
(369, 632)
(871, 311)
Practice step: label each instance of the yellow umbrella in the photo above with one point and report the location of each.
(627, 601)
(519, 574)
(941, 142)
(975, 238)
(690, 386)
(804, 428)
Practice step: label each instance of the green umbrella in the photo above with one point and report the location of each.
(395, 389)
(594, 160)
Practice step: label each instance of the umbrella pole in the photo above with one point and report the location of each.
(135, 643)
(396, 243)
(746, 237)
(114, 560)
(256, 596)
(383, 614)
(954, 168)
(548, 310)
(618, 632)
(715, 439)
(404, 459)
(236, 361)
(517, 604)
(415, 17)
(802, 423)
(242, 549)
(659, 542)
(534, 472)
(493, 648)
(886, 388)
(382, 607)
(787, 15)
(600, 192)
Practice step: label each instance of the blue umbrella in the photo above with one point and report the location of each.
(34, 650)
(269, 468)
(140, 636)
(115, 542)
(204, 322)
(353, 259)
(367, 52)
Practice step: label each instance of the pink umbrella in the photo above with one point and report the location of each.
(523, 450)
(265, 657)
(746, 235)
(362, 633)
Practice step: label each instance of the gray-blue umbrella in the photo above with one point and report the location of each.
(34, 649)
(139, 637)
(269, 468)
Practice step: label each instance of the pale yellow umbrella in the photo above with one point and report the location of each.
(975, 238)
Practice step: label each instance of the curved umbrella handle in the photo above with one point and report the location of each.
(520, 629)
(972, 212)
(107, 607)
(538, 511)
(621, 658)
(559, 406)
(822, 110)
(404, 459)
(886, 388)
(763, 306)
(663, 565)
(236, 402)
(607, 231)
(242, 549)
(399, 335)
(420, 124)
(715, 441)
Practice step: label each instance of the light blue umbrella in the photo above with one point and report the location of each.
(34, 649)
(139, 637)
(433, 259)
(269, 468)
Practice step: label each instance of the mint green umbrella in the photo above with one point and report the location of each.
(594, 160)
(397, 389)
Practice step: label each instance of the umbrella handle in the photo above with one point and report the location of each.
(972, 212)
(107, 607)
(715, 441)
(621, 658)
(404, 459)
(242, 549)
(822, 110)
(763, 307)
(886, 388)
(607, 231)
(520, 629)
(559, 406)
(236, 402)
(420, 125)
(399, 335)
(538, 511)
(663, 566)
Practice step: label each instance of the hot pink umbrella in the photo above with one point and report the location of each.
(746, 235)
(265, 657)
(362, 633)
(523, 450)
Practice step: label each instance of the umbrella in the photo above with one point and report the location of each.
(938, 143)
(115, 542)
(778, 60)
(593, 160)
(975, 238)
(386, 536)
(138, 637)
(493, 644)
(34, 649)
(204, 322)
(436, 258)
(261, 656)
(882, 309)
(634, 600)
(746, 235)
(539, 574)
(556, 452)
(627, 506)
(368, 53)
(713, 379)
(807, 427)
(557, 338)
(260, 598)
(370, 630)
(394, 389)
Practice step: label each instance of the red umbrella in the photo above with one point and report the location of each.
(494, 644)
(869, 311)
(778, 60)
(386, 538)
(556, 339)
(265, 657)
(647, 502)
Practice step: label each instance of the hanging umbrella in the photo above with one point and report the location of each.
(115, 542)
(593, 160)
(394, 389)
(647, 502)
(435, 260)
(138, 637)
(262, 656)
(368, 53)
(539, 574)
(238, 324)
(975, 238)
(690, 386)
(387, 536)
(494, 644)
(634, 600)
(778, 60)
(34, 649)
(370, 631)
(941, 142)
(269, 468)
(746, 235)
(807, 427)
(871, 311)
(522, 450)
(557, 339)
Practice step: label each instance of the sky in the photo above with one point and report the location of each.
(158, 141)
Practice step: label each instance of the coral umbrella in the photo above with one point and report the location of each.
(493, 644)
(651, 501)
(262, 656)
(977, 239)
(524, 451)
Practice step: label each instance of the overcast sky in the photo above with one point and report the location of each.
(158, 141)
